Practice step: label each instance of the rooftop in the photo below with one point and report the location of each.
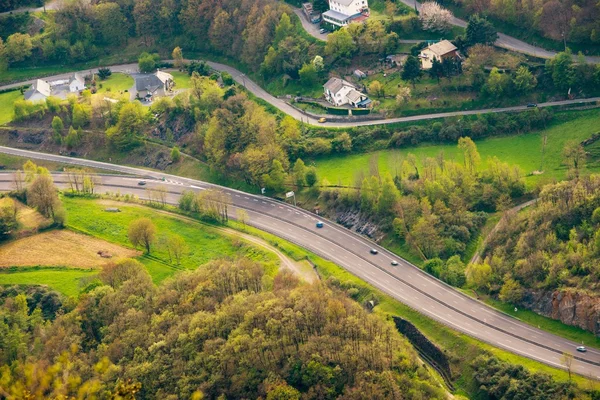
(443, 47)
(334, 85)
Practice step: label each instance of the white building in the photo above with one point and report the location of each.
(76, 83)
(340, 92)
(342, 12)
(39, 91)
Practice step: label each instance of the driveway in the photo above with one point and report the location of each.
(312, 29)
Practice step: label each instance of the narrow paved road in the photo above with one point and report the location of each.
(405, 282)
(51, 5)
(283, 106)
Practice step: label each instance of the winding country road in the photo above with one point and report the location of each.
(405, 282)
(286, 108)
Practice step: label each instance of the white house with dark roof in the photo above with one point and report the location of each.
(342, 12)
(39, 91)
(440, 51)
(340, 92)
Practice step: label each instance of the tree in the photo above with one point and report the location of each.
(42, 195)
(567, 360)
(3, 57)
(72, 139)
(175, 154)
(147, 63)
(377, 89)
(434, 17)
(471, 156)
(320, 6)
(524, 80)
(311, 176)
(308, 74)
(299, 173)
(18, 47)
(318, 63)
(177, 58)
(403, 95)
(82, 114)
(104, 73)
(111, 24)
(57, 126)
(511, 291)
(496, 84)
(142, 232)
(412, 70)
(340, 44)
(8, 217)
(479, 275)
(242, 216)
(275, 180)
(480, 30)
(388, 197)
(561, 69)
(437, 70)
(176, 248)
(283, 28)
(130, 126)
(574, 156)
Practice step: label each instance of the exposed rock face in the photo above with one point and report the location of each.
(569, 307)
(354, 220)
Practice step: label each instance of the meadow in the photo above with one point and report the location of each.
(115, 83)
(525, 151)
(6, 105)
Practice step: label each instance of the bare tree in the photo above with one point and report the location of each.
(42, 195)
(18, 180)
(567, 360)
(242, 216)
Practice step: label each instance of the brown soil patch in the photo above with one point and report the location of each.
(61, 248)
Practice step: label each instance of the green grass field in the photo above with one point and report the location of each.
(6, 105)
(523, 150)
(204, 242)
(63, 280)
(116, 83)
(182, 80)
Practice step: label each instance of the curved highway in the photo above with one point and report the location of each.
(284, 107)
(405, 282)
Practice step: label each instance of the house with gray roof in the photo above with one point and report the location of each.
(340, 92)
(151, 86)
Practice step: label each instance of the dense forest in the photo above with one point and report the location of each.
(7, 5)
(552, 244)
(224, 330)
(577, 21)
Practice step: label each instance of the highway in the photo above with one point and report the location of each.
(284, 107)
(405, 282)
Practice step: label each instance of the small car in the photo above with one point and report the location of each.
(322, 120)
(319, 224)
(581, 349)
(374, 251)
(394, 263)
(531, 105)
(322, 31)
(142, 183)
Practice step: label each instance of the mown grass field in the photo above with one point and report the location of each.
(116, 83)
(182, 80)
(6, 105)
(524, 151)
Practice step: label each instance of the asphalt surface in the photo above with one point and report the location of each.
(405, 282)
(261, 93)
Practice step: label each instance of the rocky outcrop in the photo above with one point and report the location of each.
(356, 221)
(569, 307)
